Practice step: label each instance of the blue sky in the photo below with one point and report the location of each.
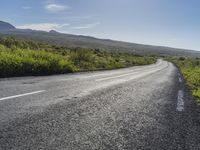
(174, 23)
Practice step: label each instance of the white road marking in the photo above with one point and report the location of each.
(96, 75)
(180, 80)
(66, 79)
(180, 101)
(128, 72)
(116, 76)
(136, 75)
(21, 95)
(179, 77)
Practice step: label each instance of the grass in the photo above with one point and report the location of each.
(29, 62)
(21, 58)
(190, 68)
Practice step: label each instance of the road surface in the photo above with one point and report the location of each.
(136, 108)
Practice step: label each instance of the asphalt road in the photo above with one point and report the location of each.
(144, 107)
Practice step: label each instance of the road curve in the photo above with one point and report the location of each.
(143, 107)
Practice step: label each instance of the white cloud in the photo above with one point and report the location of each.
(49, 1)
(86, 26)
(43, 26)
(74, 18)
(26, 7)
(54, 8)
(175, 39)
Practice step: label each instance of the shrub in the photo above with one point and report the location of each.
(190, 68)
(20, 57)
(29, 62)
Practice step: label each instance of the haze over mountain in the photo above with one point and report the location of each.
(6, 26)
(69, 40)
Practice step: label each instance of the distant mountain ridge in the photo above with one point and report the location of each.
(69, 40)
(6, 26)
(53, 31)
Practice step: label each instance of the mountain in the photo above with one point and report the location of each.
(6, 26)
(69, 40)
(53, 31)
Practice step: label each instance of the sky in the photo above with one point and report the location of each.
(174, 23)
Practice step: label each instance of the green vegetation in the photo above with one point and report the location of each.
(20, 57)
(190, 68)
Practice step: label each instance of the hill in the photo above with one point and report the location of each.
(6, 26)
(22, 57)
(72, 41)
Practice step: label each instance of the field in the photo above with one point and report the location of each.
(20, 58)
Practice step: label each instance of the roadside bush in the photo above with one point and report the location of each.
(190, 68)
(29, 62)
(20, 57)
